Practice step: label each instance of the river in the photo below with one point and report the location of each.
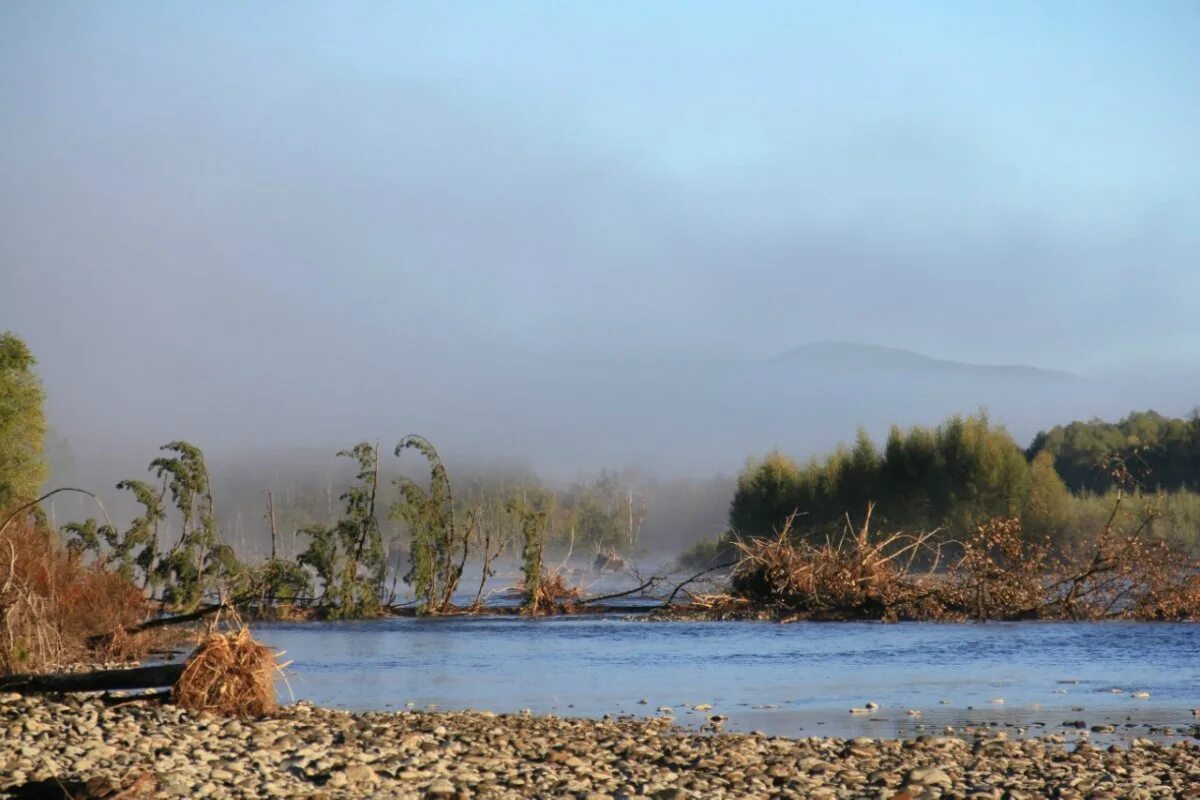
(795, 680)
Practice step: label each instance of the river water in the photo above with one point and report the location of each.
(794, 680)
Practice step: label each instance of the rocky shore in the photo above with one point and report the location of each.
(83, 747)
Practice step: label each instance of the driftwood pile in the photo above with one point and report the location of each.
(996, 574)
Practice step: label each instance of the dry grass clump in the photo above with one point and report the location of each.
(51, 603)
(231, 674)
(859, 576)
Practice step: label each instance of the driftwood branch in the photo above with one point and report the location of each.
(697, 576)
(162, 622)
(104, 680)
(21, 509)
(648, 584)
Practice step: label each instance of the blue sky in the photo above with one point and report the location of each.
(256, 191)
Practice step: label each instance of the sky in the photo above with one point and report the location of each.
(285, 219)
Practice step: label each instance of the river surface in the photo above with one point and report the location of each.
(794, 680)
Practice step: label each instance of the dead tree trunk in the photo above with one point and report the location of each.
(271, 516)
(105, 680)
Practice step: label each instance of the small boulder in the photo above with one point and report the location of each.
(929, 776)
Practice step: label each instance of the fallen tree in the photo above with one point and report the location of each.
(107, 680)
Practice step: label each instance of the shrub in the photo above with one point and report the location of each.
(51, 603)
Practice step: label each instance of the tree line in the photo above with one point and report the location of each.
(1162, 452)
(967, 470)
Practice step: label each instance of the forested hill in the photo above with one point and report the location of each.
(849, 356)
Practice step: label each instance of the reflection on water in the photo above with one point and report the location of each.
(803, 678)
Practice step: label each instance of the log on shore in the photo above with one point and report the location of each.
(101, 681)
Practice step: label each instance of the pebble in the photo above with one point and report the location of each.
(308, 752)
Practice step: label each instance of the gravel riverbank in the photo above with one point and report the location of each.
(312, 752)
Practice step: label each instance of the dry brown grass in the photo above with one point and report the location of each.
(51, 603)
(231, 674)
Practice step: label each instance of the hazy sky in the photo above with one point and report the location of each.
(239, 204)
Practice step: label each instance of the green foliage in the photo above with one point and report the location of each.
(143, 533)
(198, 563)
(1173, 517)
(22, 424)
(1048, 514)
(954, 476)
(533, 539)
(131, 553)
(439, 542)
(278, 580)
(348, 557)
(1162, 452)
(966, 471)
(322, 556)
(88, 537)
(595, 525)
(708, 553)
(361, 585)
(766, 492)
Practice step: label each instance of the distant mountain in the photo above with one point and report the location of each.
(854, 356)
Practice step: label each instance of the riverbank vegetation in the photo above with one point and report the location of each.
(997, 532)
(966, 471)
(92, 589)
(960, 523)
(51, 601)
(995, 573)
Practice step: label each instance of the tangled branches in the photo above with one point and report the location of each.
(861, 576)
(998, 574)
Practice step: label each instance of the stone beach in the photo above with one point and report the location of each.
(318, 753)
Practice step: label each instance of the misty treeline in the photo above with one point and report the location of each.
(350, 557)
(967, 471)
